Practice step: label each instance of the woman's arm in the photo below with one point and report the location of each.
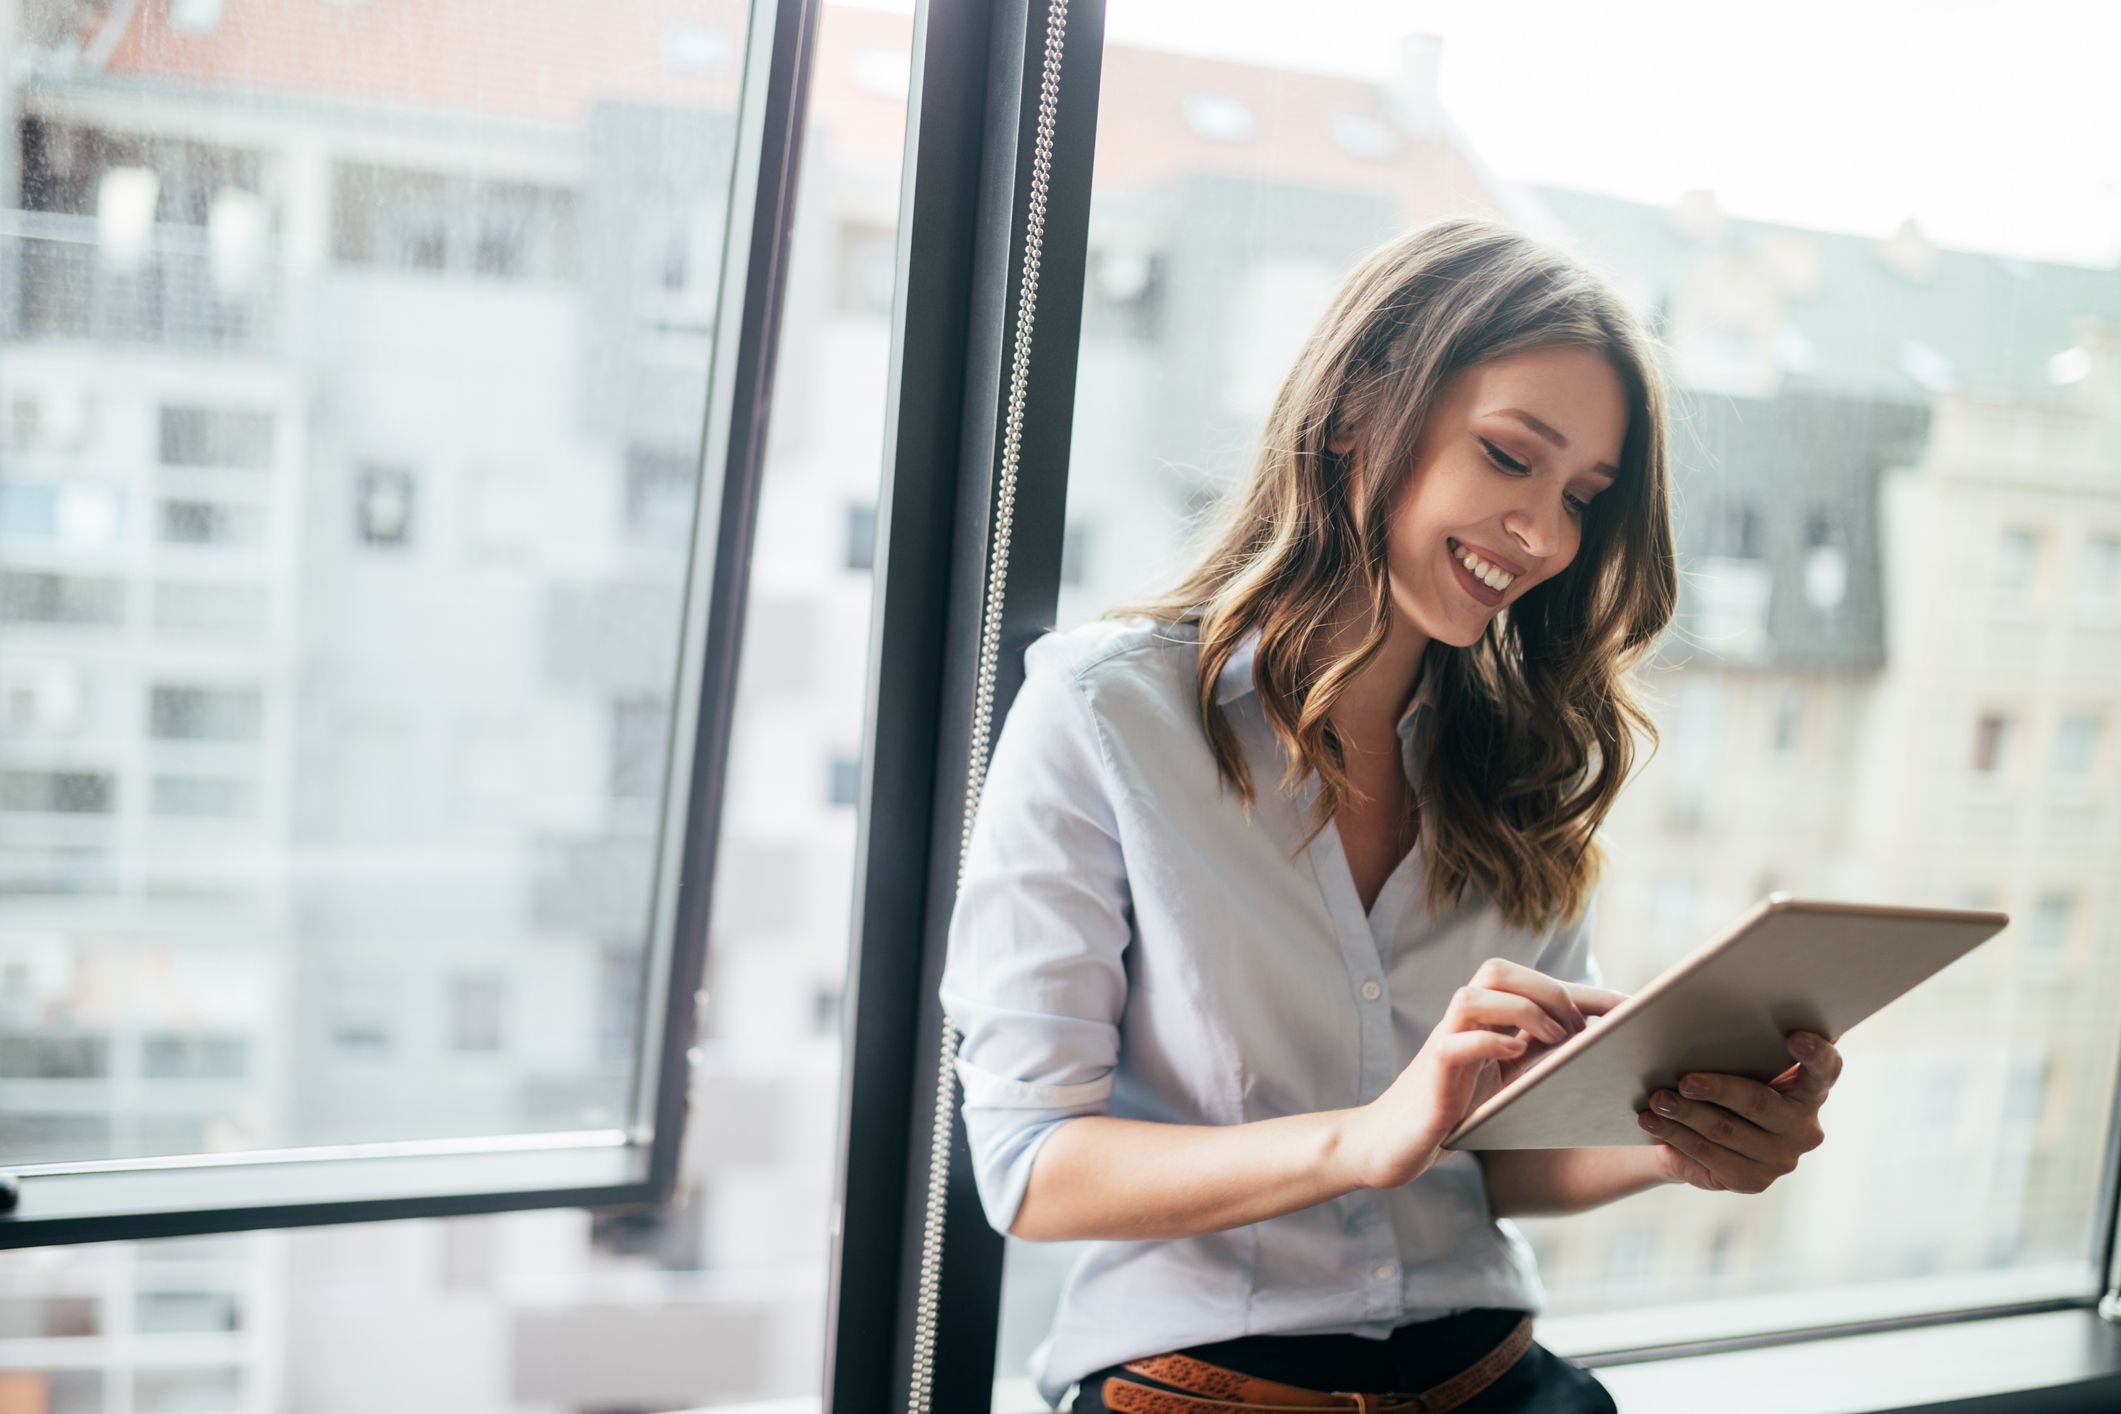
(1103, 1176)
(1537, 1183)
(1132, 1180)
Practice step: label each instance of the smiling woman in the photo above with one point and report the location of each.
(1156, 962)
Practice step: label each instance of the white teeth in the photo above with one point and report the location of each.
(1493, 578)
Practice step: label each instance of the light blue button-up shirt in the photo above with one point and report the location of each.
(1126, 942)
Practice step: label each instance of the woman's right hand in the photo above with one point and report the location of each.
(1506, 1014)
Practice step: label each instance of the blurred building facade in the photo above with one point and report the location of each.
(350, 408)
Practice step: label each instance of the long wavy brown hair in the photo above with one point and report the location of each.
(1535, 729)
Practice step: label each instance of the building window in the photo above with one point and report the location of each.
(205, 714)
(216, 437)
(211, 523)
(640, 728)
(48, 1055)
(843, 781)
(80, 600)
(59, 792)
(186, 1313)
(477, 1004)
(1992, 744)
(861, 537)
(2017, 562)
(2099, 580)
(2077, 745)
(185, 1056)
(2054, 917)
(383, 500)
(1076, 539)
(659, 495)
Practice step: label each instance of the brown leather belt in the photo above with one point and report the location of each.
(1212, 1387)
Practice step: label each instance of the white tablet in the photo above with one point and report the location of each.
(1788, 965)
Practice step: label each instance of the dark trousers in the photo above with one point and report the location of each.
(1415, 1357)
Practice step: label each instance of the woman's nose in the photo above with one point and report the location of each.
(1537, 528)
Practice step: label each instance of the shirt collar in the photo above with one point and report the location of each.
(1236, 679)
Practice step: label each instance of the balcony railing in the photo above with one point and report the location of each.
(58, 280)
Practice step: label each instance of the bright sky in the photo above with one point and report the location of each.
(1995, 125)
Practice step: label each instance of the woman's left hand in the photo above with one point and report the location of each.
(1727, 1133)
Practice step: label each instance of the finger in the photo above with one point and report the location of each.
(1491, 1008)
(1470, 1048)
(1678, 1168)
(1550, 994)
(1593, 1001)
(1765, 1106)
(1733, 1170)
(1734, 1132)
(1819, 1066)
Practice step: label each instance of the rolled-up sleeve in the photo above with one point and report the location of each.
(1033, 976)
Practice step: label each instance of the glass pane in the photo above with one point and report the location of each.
(721, 1297)
(1874, 492)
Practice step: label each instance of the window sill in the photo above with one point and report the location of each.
(2048, 1361)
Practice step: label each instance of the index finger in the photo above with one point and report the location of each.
(1566, 1002)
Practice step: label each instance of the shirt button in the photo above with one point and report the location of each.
(1386, 1272)
(1371, 991)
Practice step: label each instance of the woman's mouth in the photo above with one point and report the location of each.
(1471, 581)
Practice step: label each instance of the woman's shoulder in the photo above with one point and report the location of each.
(1124, 656)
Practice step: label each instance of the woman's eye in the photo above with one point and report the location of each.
(1578, 507)
(1495, 455)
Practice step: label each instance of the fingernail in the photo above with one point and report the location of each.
(1805, 1043)
(1650, 1122)
(1693, 1085)
(1663, 1103)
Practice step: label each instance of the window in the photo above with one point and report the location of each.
(2047, 940)
(861, 538)
(1992, 744)
(640, 729)
(1831, 592)
(843, 780)
(190, 1056)
(2017, 562)
(2077, 745)
(659, 492)
(194, 522)
(383, 506)
(205, 714)
(2099, 576)
(236, 438)
(73, 600)
(59, 792)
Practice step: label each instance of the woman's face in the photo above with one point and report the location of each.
(1512, 452)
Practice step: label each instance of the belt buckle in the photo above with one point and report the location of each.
(1369, 1404)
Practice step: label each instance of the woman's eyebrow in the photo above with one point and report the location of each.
(1605, 469)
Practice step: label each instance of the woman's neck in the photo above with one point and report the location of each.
(1370, 709)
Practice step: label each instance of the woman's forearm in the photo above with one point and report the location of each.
(1098, 1176)
(1528, 1183)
